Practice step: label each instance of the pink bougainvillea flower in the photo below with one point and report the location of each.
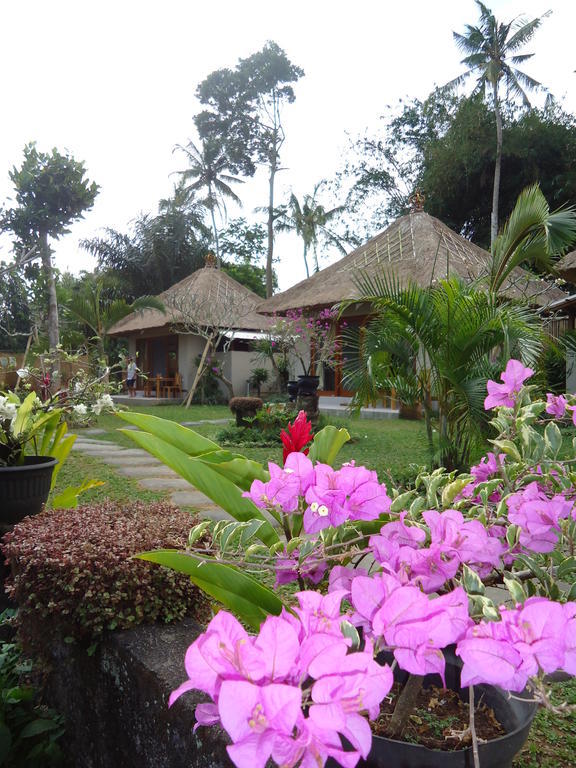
(288, 568)
(281, 491)
(297, 436)
(556, 405)
(489, 466)
(505, 394)
(300, 465)
(538, 517)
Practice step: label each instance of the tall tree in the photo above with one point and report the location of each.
(51, 193)
(243, 248)
(310, 220)
(491, 49)
(208, 173)
(245, 106)
(159, 250)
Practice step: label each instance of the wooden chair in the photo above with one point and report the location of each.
(175, 388)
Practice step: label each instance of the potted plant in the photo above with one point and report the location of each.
(34, 440)
(402, 572)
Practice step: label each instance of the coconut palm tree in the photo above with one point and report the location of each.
(207, 172)
(491, 55)
(309, 219)
(439, 343)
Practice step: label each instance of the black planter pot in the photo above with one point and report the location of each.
(307, 385)
(515, 715)
(292, 389)
(24, 489)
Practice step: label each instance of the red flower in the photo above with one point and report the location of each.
(298, 435)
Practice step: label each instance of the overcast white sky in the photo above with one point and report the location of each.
(113, 83)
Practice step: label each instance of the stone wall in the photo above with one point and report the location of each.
(115, 702)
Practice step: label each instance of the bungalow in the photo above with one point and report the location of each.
(169, 345)
(416, 247)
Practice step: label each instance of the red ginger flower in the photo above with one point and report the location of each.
(298, 435)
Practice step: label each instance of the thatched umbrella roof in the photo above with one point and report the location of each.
(208, 295)
(566, 267)
(415, 247)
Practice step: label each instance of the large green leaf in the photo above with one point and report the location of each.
(327, 444)
(243, 595)
(202, 476)
(68, 499)
(175, 434)
(240, 470)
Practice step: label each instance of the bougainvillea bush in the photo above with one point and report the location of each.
(379, 569)
(74, 572)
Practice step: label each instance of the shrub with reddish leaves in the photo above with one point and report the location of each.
(74, 571)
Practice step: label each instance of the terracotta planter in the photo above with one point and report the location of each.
(24, 489)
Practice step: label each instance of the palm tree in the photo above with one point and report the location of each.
(440, 343)
(491, 55)
(208, 166)
(309, 220)
(91, 307)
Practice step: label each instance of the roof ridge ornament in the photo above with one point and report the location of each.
(210, 261)
(417, 200)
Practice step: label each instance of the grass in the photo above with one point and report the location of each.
(80, 467)
(552, 741)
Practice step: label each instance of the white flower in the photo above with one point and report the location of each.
(24, 373)
(103, 402)
(7, 410)
(80, 409)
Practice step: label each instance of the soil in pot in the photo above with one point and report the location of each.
(440, 720)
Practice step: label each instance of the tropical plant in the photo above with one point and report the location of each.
(491, 49)
(208, 172)
(310, 220)
(51, 192)
(435, 346)
(91, 307)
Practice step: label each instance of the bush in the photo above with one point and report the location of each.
(73, 571)
(245, 408)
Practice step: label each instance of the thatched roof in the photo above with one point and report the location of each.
(208, 295)
(567, 267)
(415, 247)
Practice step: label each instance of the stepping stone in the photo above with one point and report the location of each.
(142, 460)
(132, 470)
(191, 498)
(164, 484)
(94, 431)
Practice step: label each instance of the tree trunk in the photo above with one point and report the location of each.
(216, 242)
(198, 374)
(497, 167)
(306, 260)
(270, 251)
(52, 320)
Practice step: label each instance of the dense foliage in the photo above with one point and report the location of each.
(76, 568)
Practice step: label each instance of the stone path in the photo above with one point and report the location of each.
(149, 473)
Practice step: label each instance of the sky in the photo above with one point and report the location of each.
(113, 84)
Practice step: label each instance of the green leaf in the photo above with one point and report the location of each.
(516, 590)
(452, 490)
(245, 597)
(240, 470)
(402, 501)
(472, 582)
(198, 531)
(553, 438)
(36, 727)
(566, 567)
(68, 498)
(203, 477)
(508, 447)
(183, 438)
(327, 444)
(350, 631)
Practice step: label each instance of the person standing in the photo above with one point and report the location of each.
(131, 373)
